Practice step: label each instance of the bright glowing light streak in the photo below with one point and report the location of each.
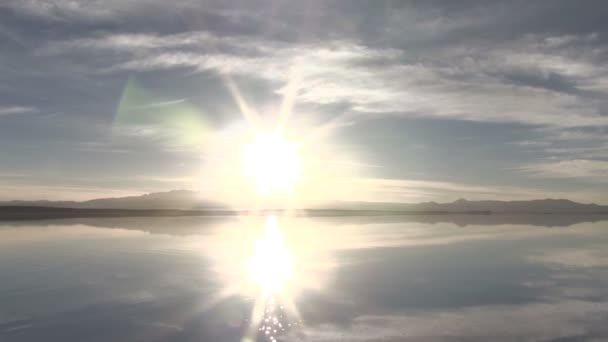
(249, 114)
(327, 128)
(288, 101)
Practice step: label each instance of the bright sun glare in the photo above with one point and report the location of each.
(272, 163)
(271, 266)
(273, 166)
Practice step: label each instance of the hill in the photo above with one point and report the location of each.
(175, 199)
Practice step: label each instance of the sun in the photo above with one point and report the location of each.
(272, 163)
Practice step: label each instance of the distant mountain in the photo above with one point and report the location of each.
(548, 206)
(192, 200)
(176, 199)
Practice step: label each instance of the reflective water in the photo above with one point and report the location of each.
(478, 278)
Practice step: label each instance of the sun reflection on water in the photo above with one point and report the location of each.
(272, 262)
(275, 321)
(271, 266)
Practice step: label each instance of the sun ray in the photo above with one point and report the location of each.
(326, 128)
(288, 102)
(249, 114)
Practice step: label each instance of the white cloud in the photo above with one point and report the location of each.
(133, 42)
(380, 80)
(5, 111)
(11, 175)
(574, 168)
(572, 135)
(411, 190)
(590, 152)
(532, 143)
(180, 181)
(56, 9)
(78, 9)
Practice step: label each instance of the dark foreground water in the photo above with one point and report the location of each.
(355, 279)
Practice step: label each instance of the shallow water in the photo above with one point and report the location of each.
(356, 279)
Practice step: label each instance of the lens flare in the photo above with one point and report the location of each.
(143, 114)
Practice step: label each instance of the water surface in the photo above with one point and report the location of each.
(357, 279)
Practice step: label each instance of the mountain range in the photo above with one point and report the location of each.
(175, 199)
(192, 200)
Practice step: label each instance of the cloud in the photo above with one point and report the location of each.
(12, 110)
(595, 134)
(411, 190)
(507, 82)
(594, 151)
(99, 147)
(131, 42)
(532, 143)
(69, 9)
(10, 175)
(596, 170)
(177, 180)
(590, 143)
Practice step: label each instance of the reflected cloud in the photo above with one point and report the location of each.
(589, 257)
(569, 320)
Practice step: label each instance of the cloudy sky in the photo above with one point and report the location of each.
(426, 100)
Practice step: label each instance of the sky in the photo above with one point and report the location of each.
(408, 101)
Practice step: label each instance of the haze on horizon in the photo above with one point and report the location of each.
(391, 102)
